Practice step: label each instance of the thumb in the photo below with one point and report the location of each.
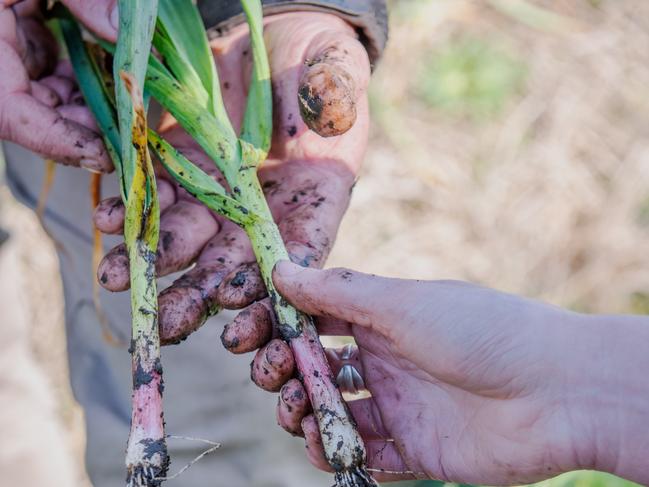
(334, 78)
(365, 300)
(100, 16)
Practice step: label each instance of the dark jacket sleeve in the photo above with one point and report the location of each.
(369, 17)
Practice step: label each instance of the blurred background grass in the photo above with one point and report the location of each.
(510, 147)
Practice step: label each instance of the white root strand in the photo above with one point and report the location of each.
(214, 446)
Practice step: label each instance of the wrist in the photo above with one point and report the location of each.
(611, 402)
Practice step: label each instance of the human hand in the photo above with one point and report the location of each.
(40, 105)
(307, 178)
(467, 384)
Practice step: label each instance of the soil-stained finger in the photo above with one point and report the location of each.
(184, 229)
(250, 329)
(109, 214)
(39, 47)
(368, 419)
(383, 457)
(8, 3)
(64, 68)
(313, 444)
(79, 114)
(230, 247)
(333, 327)
(45, 131)
(44, 94)
(309, 233)
(25, 8)
(242, 287)
(100, 16)
(189, 301)
(385, 460)
(62, 86)
(108, 217)
(272, 366)
(308, 201)
(76, 98)
(327, 98)
(112, 272)
(335, 76)
(292, 405)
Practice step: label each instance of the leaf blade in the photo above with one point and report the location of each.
(93, 91)
(198, 183)
(181, 68)
(257, 127)
(183, 24)
(136, 23)
(201, 125)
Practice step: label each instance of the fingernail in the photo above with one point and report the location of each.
(273, 353)
(253, 376)
(328, 112)
(225, 340)
(114, 17)
(281, 399)
(287, 269)
(302, 254)
(91, 165)
(77, 99)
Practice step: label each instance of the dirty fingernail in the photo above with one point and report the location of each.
(92, 165)
(303, 255)
(229, 341)
(276, 354)
(113, 270)
(77, 99)
(326, 99)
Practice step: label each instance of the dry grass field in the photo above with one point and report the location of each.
(510, 147)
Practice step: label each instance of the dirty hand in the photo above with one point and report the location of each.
(469, 384)
(307, 178)
(40, 105)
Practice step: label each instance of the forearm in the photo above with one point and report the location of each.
(618, 368)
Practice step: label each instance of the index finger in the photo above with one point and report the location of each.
(369, 301)
(308, 200)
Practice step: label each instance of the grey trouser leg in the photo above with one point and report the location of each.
(208, 392)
